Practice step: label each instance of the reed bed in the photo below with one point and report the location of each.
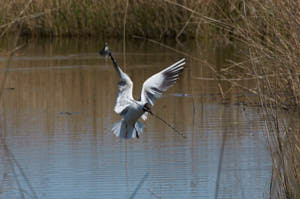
(271, 32)
(156, 19)
(95, 18)
(273, 38)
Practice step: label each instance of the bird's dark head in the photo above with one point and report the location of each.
(147, 108)
(105, 51)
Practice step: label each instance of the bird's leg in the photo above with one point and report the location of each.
(137, 133)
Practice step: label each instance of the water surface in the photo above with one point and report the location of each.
(57, 112)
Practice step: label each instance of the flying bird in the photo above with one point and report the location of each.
(132, 110)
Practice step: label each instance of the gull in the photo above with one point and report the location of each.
(132, 110)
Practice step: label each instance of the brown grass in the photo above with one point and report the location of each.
(271, 32)
(156, 19)
(97, 18)
(274, 37)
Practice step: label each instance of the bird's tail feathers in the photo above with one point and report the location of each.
(117, 128)
(127, 131)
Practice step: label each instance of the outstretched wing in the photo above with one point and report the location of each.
(124, 96)
(154, 86)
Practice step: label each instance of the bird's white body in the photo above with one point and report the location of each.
(131, 110)
(134, 112)
(129, 126)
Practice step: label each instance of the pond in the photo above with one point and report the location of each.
(57, 112)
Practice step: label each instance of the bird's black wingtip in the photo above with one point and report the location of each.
(102, 52)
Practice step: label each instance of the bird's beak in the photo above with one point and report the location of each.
(146, 109)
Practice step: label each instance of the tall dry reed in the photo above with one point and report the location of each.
(273, 37)
(270, 31)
